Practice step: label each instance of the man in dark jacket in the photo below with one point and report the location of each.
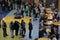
(16, 27)
(30, 29)
(23, 28)
(4, 26)
(12, 29)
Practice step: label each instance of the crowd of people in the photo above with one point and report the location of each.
(31, 10)
(17, 27)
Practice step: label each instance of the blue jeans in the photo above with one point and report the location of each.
(20, 31)
(12, 33)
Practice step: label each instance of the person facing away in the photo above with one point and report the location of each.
(23, 28)
(30, 28)
(27, 9)
(12, 29)
(16, 27)
(4, 26)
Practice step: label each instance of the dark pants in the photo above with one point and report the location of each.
(4, 32)
(23, 32)
(30, 13)
(16, 32)
(30, 31)
(36, 15)
(57, 35)
(26, 13)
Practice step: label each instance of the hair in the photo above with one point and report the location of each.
(22, 20)
(30, 19)
(11, 22)
(44, 11)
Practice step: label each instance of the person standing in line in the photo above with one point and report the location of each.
(12, 29)
(4, 26)
(16, 27)
(23, 28)
(30, 28)
(20, 29)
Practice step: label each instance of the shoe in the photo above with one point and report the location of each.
(6, 35)
(12, 37)
(23, 36)
(30, 37)
(16, 35)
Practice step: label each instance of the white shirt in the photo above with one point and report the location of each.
(54, 38)
(42, 9)
(36, 9)
(40, 5)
